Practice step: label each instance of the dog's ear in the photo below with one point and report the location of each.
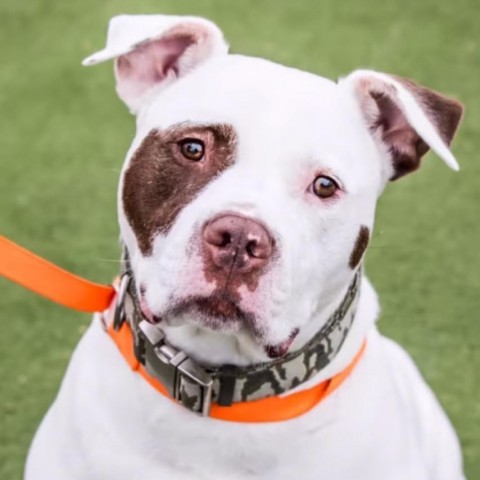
(151, 51)
(405, 119)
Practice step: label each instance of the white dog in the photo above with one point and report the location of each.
(246, 203)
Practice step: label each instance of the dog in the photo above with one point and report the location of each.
(246, 204)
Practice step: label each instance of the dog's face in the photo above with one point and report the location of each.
(247, 198)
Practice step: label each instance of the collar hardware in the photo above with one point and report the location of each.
(119, 312)
(175, 370)
(184, 380)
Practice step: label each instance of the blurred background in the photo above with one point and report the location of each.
(64, 134)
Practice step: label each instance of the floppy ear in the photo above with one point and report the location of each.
(405, 119)
(151, 51)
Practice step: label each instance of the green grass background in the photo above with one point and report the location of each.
(63, 135)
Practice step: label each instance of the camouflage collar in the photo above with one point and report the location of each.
(196, 387)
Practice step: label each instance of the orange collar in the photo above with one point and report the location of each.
(270, 409)
(50, 281)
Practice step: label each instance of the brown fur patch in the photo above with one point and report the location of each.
(444, 112)
(360, 246)
(405, 145)
(159, 181)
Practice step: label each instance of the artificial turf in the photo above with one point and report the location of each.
(63, 136)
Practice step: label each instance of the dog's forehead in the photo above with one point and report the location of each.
(280, 114)
(246, 91)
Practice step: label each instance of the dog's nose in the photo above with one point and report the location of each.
(237, 244)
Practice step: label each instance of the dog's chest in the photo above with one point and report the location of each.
(318, 444)
(148, 436)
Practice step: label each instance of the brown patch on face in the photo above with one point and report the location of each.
(160, 181)
(360, 246)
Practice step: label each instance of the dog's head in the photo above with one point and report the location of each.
(247, 198)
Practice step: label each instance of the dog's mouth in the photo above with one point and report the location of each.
(220, 306)
(220, 313)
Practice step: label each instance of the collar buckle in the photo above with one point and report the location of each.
(186, 381)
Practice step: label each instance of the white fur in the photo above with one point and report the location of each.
(384, 422)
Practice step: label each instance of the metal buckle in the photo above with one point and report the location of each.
(119, 313)
(169, 365)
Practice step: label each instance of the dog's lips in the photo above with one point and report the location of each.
(147, 313)
(220, 307)
(218, 312)
(281, 349)
(215, 311)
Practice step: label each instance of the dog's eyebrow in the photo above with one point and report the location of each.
(176, 130)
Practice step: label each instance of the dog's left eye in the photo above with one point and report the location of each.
(192, 149)
(324, 186)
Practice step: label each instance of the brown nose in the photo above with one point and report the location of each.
(237, 244)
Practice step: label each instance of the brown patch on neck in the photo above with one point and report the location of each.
(360, 246)
(160, 182)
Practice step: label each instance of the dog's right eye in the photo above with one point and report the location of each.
(324, 186)
(192, 149)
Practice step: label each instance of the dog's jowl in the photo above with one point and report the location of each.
(246, 203)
